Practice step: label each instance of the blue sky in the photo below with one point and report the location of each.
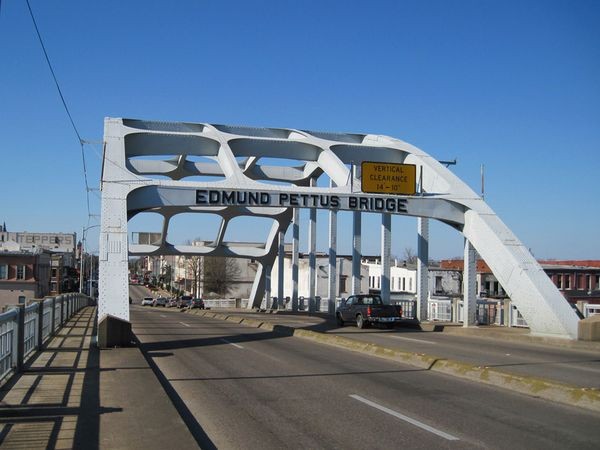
(512, 85)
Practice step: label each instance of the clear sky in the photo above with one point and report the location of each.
(514, 85)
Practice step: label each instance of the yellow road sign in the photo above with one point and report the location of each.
(389, 178)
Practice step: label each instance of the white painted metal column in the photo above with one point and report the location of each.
(295, 256)
(356, 251)
(422, 267)
(332, 288)
(280, 269)
(268, 286)
(312, 259)
(386, 247)
(469, 295)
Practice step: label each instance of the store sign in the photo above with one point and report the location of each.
(388, 178)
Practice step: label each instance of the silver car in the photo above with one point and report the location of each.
(160, 301)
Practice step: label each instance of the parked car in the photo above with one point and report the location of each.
(160, 301)
(366, 309)
(196, 303)
(147, 301)
(184, 301)
(172, 302)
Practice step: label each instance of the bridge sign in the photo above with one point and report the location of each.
(388, 178)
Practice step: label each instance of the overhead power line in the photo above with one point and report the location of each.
(62, 98)
(64, 103)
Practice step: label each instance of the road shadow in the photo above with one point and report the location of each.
(198, 433)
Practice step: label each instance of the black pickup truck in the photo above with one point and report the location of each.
(366, 309)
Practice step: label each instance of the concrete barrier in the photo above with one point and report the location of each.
(589, 329)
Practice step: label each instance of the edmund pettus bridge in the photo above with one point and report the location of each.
(230, 171)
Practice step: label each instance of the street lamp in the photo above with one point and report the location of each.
(83, 231)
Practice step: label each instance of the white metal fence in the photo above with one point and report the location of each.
(440, 310)
(8, 329)
(516, 319)
(30, 328)
(23, 329)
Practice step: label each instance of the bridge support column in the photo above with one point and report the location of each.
(356, 252)
(422, 267)
(280, 268)
(312, 259)
(469, 277)
(332, 281)
(114, 328)
(268, 286)
(295, 256)
(386, 246)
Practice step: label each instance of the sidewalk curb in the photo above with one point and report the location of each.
(588, 398)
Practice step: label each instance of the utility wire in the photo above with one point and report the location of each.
(62, 98)
(64, 103)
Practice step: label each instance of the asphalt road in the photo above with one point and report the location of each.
(567, 365)
(243, 387)
(577, 367)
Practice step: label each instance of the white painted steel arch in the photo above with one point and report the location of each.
(237, 161)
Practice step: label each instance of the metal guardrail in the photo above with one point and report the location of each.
(47, 318)
(8, 329)
(30, 327)
(24, 329)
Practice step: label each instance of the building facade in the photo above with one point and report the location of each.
(23, 275)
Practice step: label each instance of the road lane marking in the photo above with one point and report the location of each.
(162, 315)
(414, 340)
(232, 343)
(186, 324)
(405, 418)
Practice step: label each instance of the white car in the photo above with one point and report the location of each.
(147, 301)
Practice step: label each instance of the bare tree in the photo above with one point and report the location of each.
(409, 255)
(219, 272)
(194, 270)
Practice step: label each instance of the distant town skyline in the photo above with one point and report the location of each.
(511, 85)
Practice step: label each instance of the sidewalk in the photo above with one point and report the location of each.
(72, 395)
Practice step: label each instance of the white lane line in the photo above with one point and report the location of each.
(414, 340)
(405, 418)
(232, 343)
(162, 315)
(186, 324)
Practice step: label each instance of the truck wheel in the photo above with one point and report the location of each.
(339, 320)
(360, 322)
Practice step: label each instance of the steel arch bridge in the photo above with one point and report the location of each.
(147, 167)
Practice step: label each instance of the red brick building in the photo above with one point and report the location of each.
(577, 280)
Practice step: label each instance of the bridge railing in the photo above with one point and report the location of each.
(26, 328)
